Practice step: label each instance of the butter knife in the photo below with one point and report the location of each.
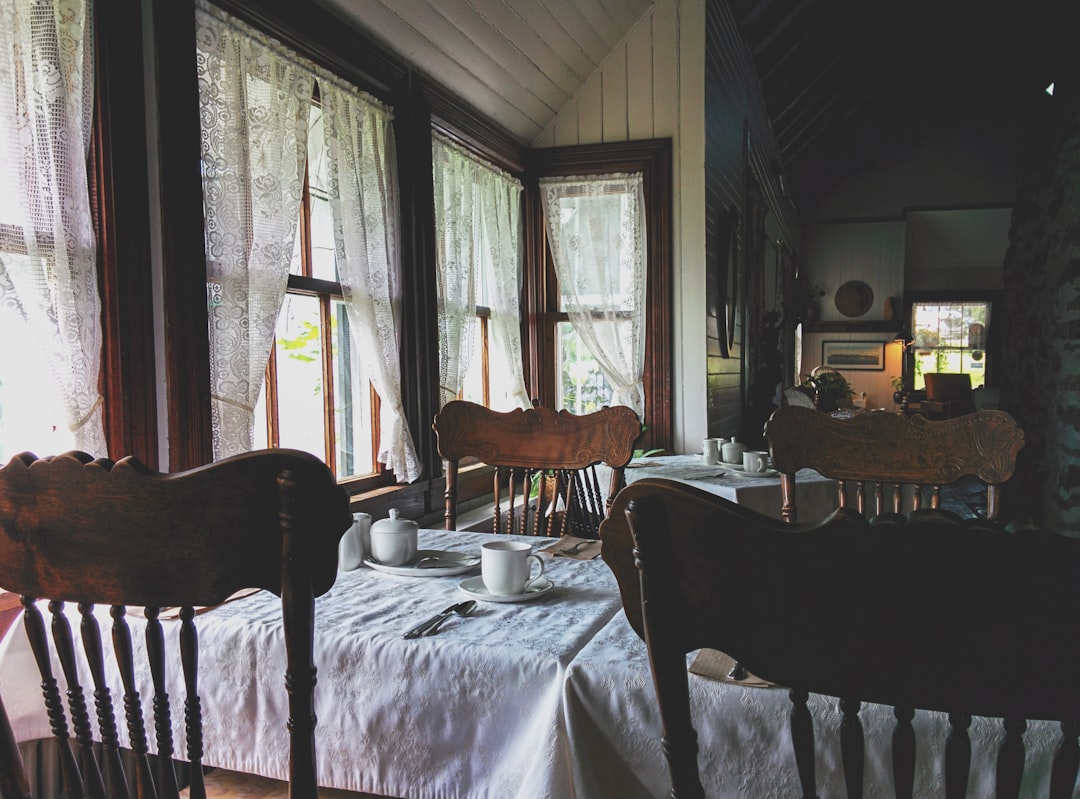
(419, 629)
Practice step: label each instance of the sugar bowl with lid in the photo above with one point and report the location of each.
(393, 540)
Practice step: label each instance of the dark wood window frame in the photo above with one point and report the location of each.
(651, 157)
(119, 188)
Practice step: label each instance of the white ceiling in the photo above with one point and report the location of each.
(516, 61)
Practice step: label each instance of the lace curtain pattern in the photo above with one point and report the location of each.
(596, 232)
(364, 203)
(48, 253)
(255, 96)
(254, 99)
(478, 253)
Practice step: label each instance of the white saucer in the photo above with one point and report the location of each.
(474, 587)
(465, 562)
(739, 471)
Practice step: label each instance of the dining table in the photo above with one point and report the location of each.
(815, 495)
(549, 698)
(474, 710)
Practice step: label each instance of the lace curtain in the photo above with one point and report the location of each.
(364, 204)
(596, 232)
(254, 100)
(48, 257)
(478, 258)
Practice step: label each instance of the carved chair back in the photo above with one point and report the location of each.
(545, 480)
(875, 455)
(81, 540)
(927, 613)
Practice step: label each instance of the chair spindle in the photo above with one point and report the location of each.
(903, 753)
(1010, 759)
(802, 741)
(1066, 762)
(957, 756)
(851, 747)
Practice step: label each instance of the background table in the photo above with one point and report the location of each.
(815, 495)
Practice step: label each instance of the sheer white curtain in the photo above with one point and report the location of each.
(254, 100)
(48, 273)
(596, 232)
(478, 258)
(364, 204)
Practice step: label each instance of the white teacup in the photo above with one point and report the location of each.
(755, 461)
(710, 449)
(505, 567)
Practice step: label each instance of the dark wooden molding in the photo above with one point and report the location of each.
(120, 190)
(869, 326)
(187, 340)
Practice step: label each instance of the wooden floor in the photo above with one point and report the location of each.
(230, 785)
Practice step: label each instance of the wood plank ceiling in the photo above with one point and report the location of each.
(838, 75)
(835, 74)
(516, 61)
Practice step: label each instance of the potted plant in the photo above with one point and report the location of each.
(831, 390)
(898, 389)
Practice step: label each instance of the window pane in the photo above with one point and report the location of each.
(582, 386)
(323, 264)
(299, 373)
(473, 385)
(352, 402)
(595, 223)
(31, 411)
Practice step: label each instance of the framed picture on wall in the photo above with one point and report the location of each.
(854, 355)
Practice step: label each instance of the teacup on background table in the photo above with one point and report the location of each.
(506, 567)
(755, 461)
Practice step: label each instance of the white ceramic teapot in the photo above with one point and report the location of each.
(393, 540)
(732, 451)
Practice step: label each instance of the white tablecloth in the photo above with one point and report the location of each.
(549, 699)
(815, 496)
(613, 729)
(474, 711)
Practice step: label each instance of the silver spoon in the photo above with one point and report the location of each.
(438, 562)
(464, 609)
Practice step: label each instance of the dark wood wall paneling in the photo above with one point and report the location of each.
(724, 172)
(739, 150)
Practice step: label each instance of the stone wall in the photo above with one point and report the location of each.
(1040, 376)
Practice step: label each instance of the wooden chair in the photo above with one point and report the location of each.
(880, 452)
(948, 395)
(928, 613)
(545, 463)
(81, 532)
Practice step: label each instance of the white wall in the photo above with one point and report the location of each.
(652, 86)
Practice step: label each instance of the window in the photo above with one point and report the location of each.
(478, 268)
(297, 160)
(596, 232)
(950, 336)
(50, 307)
(316, 396)
(609, 303)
